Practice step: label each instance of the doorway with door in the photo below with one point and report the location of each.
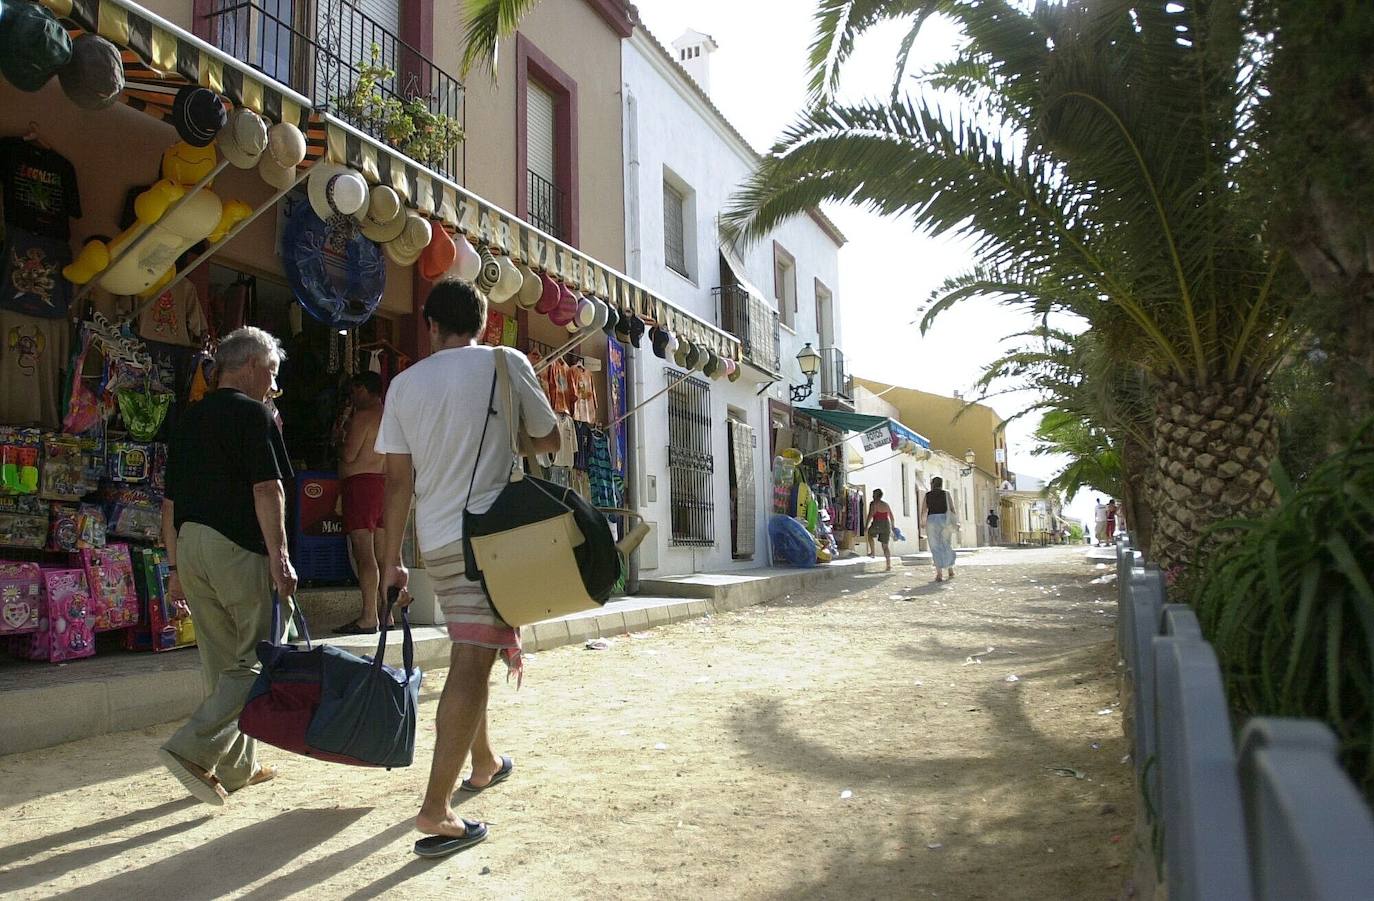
(743, 495)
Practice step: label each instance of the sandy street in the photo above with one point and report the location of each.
(865, 741)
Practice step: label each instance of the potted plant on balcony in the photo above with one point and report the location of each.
(408, 125)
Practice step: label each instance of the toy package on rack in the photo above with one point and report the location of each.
(110, 575)
(66, 624)
(90, 526)
(21, 597)
(64, 529)
(23, 521)
(64, 469)
(19, 453)
(132, 512)
(164, 625)
(129, 461)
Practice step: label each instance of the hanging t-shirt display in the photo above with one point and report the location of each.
(32, 353)
(31, 275)
(39, 188)
(175, 318)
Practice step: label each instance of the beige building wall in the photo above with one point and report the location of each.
(581, 43)
(934, 416)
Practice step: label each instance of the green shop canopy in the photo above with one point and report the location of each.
(865, 422)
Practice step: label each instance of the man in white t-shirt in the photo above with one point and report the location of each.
(1100, 522)
(431, 433)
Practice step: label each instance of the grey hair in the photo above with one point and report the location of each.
(248, 345)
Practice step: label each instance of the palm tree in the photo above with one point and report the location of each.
(1099, 154)
(488, 21)
(1093, 410)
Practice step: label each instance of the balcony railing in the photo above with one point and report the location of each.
(754, 322)
(835, 379)
(338, 57)
(548, 206)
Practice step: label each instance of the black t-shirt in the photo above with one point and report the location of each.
(993, 520)
(39, 188)
(937, 501)
(223, 446)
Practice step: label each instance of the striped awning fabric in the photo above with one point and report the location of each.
(159, 58)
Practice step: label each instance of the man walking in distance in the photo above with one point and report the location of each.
(431, 434)
(1100, 522)
(362, 485)
(994, 528)
(224, 524)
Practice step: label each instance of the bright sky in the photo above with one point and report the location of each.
(758, 79)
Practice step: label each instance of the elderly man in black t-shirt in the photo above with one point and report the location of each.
(224, 525)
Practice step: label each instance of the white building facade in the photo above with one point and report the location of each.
(703, 452)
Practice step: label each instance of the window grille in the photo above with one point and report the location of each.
(690, 464)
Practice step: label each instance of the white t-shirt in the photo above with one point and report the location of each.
(1100, 513)
(435, 411)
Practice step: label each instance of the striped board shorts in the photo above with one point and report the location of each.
(467, 613)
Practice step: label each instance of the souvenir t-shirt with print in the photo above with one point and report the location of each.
(32, 354)
(40, 192)
(174, 318)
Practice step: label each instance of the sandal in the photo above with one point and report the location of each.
(444, 845)
(501, 775)
(352, 628)
(202, 785)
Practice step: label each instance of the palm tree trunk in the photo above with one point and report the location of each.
(1136, 469)
(1213, 448)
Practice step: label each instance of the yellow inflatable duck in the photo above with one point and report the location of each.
(152, 264)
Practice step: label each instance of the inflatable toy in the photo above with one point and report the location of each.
(152, 263)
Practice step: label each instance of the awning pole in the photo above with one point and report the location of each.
(143, 235)
(552, 355)
(214, 248)
(874, 463)
(643, 403)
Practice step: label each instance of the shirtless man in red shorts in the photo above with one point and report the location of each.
(362, 484)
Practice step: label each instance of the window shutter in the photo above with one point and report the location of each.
(539, 115)
(674, 249)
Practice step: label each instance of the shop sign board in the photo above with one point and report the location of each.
(880, 436)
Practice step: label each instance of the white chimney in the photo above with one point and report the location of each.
(693, 52)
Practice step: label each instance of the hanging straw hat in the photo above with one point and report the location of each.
(243, 139)
(438, 255)
(336, 190)
(385, 217)
(414, 238)
(285, 151)
(531, 288)
(468, 263)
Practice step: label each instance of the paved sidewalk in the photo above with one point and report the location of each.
(45, 705)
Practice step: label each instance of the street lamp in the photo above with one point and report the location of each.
(969, 457)
(810, 363)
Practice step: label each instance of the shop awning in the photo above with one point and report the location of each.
(159, 58)
(736, 265)
(866, 422)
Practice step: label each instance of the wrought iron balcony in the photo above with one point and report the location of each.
(755, 323)
(352, 66)
(548, 206)
(835, 379)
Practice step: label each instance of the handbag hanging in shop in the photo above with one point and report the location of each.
(542, 550)
(323, 702)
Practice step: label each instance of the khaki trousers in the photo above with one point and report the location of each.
(229, 592)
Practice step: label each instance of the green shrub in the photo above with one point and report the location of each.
(1288, 604)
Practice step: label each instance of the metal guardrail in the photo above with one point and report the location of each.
(754, 323)
(320, 52)
(1278, 820)
(548, 206)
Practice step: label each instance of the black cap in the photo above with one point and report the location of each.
(659, 338)
(636, 330)
(198, 115)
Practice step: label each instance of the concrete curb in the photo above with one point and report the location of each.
(137, 691)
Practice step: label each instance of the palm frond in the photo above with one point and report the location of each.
(488, 22)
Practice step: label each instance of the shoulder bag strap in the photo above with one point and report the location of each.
(517, 471)
(491, 411)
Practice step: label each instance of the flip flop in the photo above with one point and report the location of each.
(352, 628)
(202, 786)
(444, 845)
(501, 775)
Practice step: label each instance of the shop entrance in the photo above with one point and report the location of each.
(743, 502)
